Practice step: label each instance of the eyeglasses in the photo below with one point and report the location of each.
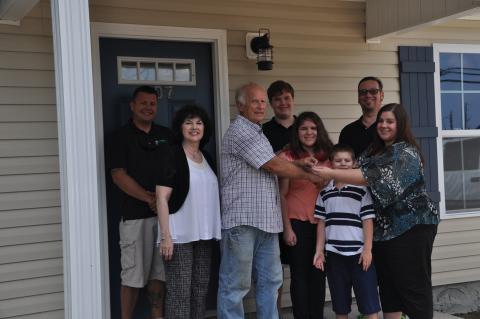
(371, 91)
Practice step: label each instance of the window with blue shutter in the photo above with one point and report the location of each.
(417, 94)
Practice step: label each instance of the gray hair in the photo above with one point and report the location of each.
(241, 92)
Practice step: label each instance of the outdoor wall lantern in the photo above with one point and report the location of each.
(258, 47)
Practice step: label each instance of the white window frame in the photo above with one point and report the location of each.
(437, 49)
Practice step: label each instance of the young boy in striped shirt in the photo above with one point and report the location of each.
(345, 231)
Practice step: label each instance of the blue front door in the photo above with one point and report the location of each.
(116, 112)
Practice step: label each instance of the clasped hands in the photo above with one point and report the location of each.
(152, 201)
(318, 174)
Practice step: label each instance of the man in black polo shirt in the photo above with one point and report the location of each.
(279, 129)
(137, 152)
(359, 134)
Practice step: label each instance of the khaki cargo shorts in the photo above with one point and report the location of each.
(140, 256)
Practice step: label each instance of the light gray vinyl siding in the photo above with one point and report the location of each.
(31, 263)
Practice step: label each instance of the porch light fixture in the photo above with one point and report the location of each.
(259, 47)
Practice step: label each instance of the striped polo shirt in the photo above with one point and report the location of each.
(343, 211)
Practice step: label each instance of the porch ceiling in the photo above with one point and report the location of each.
(12, 11)
(390, 17)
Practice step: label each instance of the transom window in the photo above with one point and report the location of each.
(135, 70)
(458, 118)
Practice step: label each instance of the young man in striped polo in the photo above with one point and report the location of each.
(345, 231)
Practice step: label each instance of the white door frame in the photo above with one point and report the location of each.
(218, 39)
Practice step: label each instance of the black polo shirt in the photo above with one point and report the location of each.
(277, 134)
(358, 136)
(143, 156)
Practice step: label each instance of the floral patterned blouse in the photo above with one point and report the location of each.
(396, 180)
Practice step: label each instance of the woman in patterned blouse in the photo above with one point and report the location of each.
(407, 219)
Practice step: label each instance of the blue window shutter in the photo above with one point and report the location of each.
(417, 94)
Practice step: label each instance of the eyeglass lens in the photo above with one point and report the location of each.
(371, 91)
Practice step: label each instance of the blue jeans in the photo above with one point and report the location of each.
(245, 251)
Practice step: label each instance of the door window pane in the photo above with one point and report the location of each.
(450, 71)
(129, 71)
(156, 71)
(183, 73)
(471, 71)
(452, 111)
(165, 72)
(472, 111)
(461, 158)
(147, 71)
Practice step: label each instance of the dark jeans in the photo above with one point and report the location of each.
(307, 285)
(345, 273)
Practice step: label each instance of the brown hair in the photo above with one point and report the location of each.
(404, 131)
(338, 148)
(372, 78)
(279, 87)
(322, 145)
(144, 89)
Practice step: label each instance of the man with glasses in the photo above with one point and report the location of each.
(137, 152)
(359, 134)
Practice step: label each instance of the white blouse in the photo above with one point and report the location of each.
(199, 216)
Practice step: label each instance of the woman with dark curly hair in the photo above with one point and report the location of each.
(297, 198)
(406, 218)
(188, 211)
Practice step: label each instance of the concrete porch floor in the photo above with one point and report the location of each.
(329, 314)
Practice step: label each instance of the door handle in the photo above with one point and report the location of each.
(475, 179)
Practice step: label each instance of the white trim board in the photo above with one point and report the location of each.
(437, 49)
(218, 39)
(84, 295)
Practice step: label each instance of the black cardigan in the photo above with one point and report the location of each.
(181, 178)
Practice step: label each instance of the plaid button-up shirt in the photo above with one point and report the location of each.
(249, 194)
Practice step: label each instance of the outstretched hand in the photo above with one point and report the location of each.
(324, 172)
(307, 162)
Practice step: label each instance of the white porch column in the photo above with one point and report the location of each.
(83, 269)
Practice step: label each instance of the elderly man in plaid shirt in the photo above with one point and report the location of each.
(251, 215)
